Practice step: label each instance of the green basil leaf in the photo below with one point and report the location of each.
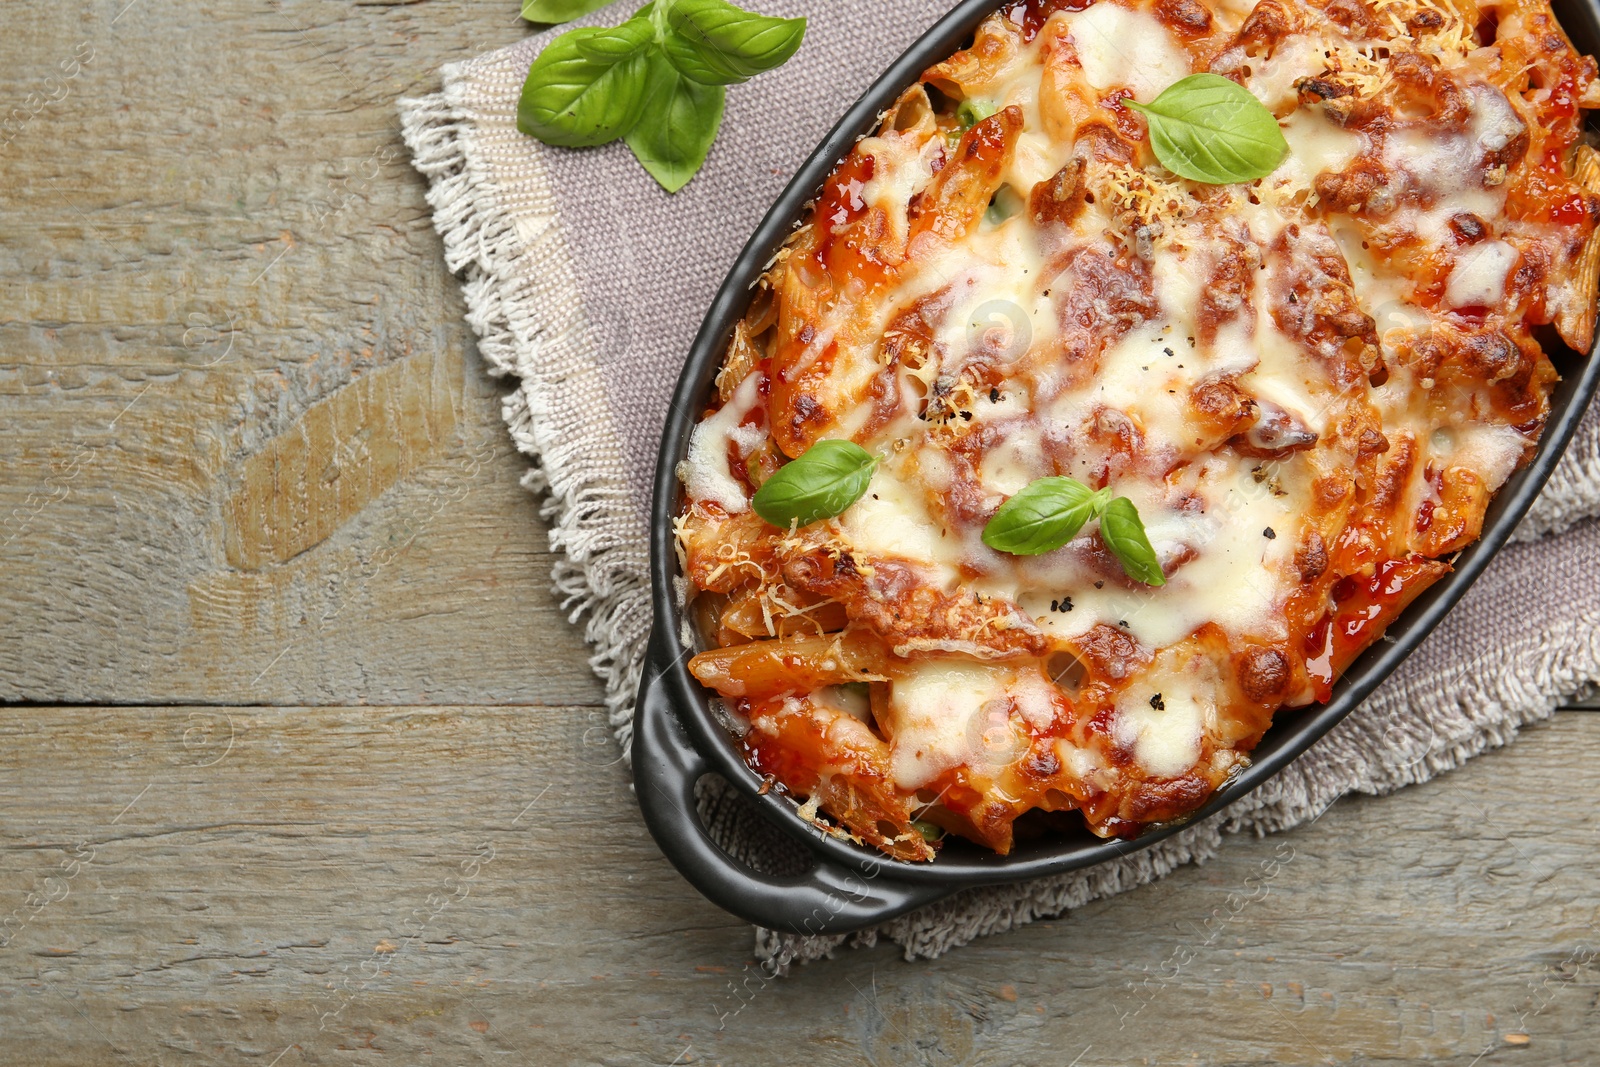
(1123, 533)
(826, 479)
(559, 10)
(575, 100)
(1209, 129)
(1045, 515)
(676, 128)
(613, 44)
(715, 43)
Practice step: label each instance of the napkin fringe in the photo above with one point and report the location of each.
(598, 573)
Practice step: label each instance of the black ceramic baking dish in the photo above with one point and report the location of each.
(677, 738)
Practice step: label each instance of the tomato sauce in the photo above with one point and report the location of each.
(1031, 15)
(1363, 606)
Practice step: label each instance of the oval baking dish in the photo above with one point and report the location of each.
(678, 738)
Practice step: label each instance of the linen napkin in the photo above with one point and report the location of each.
(585, 283)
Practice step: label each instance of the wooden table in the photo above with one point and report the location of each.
(308, 767)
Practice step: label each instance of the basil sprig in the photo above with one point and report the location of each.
(1209, 129)
(585, 95)
(1045, 515)
(679, 122)
(1049, 512)
(1124, 534)
(715, 43)
(656, 80)
(824, 480)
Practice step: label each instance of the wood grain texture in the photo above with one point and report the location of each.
(470, 885)
(250, 453)
(253, 477)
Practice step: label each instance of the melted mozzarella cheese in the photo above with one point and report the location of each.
(1379, 291)
(1492, 451)
(1238, 577)
(892, 519)
(1083, 763)
(1272, 78)
(1147, 377)
(705, 472)
(1035, 699)
(1121, 47)
(1233, 572)
(1008, 468)
(1163, 716)
(1316, 146)
(1167, 742)
(1479, 276)
(1036, 159)
(1495, 122)
(998, 308)
(1281, 373)
(900, 169)
(1234, 578)
(945, 714)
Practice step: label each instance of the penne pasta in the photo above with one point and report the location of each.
(791, 664)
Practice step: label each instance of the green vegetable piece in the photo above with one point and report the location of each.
(1209, 129)
(715, 43)
(1123, 533)
(679, 122)
(970, 112)
(574, 99)
(555, 11)
(821, 483)
(931, 832)
(1045, 515)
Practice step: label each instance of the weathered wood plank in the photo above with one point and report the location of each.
(466, 885)
(250, 454)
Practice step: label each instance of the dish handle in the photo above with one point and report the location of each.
(830, 898)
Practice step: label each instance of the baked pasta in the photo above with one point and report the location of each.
(1307, 385)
